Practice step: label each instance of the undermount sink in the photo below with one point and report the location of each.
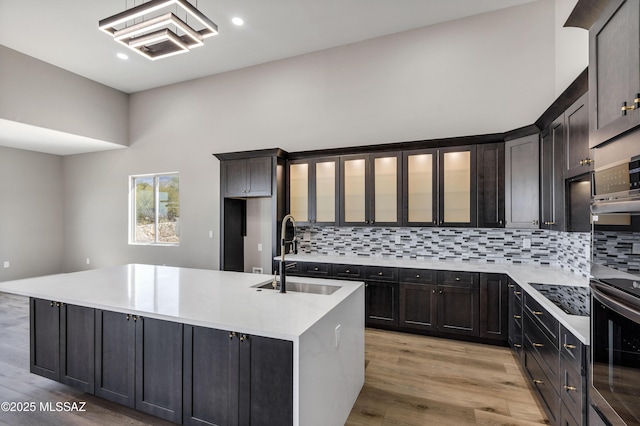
(303, 287)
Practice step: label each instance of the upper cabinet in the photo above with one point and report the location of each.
(313, 190)
(439, 187)
(551, 175)
(370, 189)
(491, 190)
(614, 71)
(522, 182)
(248, 177)
(576, 120)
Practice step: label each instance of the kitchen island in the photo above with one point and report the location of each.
(296, 356)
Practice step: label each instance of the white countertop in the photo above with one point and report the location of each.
(522, 274)
(216, 299)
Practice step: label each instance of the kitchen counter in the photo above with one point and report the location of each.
(327, 331)
(521, 273)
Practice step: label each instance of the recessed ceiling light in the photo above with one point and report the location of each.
(238, 21)
(122, 56)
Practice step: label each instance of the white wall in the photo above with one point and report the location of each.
(42, 95)
(31, 214)
(484, 74)
(571, 47)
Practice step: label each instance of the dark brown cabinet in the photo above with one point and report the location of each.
(552, 176)
(62, 345)
(232, 379)
(578, 158)
(515, 318)
(247, 177)
(494, 302)
(381, 296)
(418, 299)
(614, 71)
(522, 177)
(371, 189)
(313, 187)
(491, 185)
(139, 363)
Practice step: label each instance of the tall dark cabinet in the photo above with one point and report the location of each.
(551, 176)
(243, 176)
(491, 185)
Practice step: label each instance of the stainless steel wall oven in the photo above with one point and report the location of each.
(615, 295)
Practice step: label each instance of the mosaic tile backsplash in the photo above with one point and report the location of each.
(572, 300)
(564, 249)
(615, 249)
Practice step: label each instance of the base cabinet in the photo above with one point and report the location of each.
(234, 379)
(62, 345)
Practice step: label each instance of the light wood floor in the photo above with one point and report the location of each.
(410, 380)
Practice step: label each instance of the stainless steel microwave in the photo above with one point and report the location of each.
(616, 188)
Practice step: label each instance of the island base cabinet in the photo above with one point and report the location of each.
(45, 338)
(159, 368)
(236, 379)
(62, 345)
(115, 357)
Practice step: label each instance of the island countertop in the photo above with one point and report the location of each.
(208, 298)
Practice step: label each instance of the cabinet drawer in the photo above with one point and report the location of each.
(348, 272)
(381, 273)
(547, 391)
(543, 318)
(312, 269)
(515, 292)
(537, 343)
(459, 279)
(418, 276)
(572, 350)
(572, 390)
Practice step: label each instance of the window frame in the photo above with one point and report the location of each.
(156, 201)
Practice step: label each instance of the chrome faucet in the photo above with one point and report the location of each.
(283, 243)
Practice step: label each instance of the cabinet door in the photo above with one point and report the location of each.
(381, 300)
(235, 176)
(419, 188)
(614, 71)
(259, 176)
(159, 368)
(386, 189)
(490, 184)
(418, 306)
(300, 191)
(494, 301)
(266, 381)
(552, 176)
(354, 194)
(115, 357)
(577, 160)
(77, 354)
(458, 310)
(313, 191)
(522, 183)
(457, 186)
(44, 338)
(210, 376)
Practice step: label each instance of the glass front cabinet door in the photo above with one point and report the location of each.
(313, 190)
(439, 187)
(371, 189)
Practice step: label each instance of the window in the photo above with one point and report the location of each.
(155, 211)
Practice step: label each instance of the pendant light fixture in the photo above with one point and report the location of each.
(160, 33)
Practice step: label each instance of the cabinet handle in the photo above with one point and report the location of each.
(433, 291)
(510, 285)
(636, 101)
(347, 271)
(52, 304)
(435, 222)
(417, 275)
(135, 317)
(535, 221)
(538, 382)
(517, 316)
(127, 317)
(626, 108)
(517, 345)
(457, 278)
(232, 335)
(517, 293)
(243, 337)
(380, 273)
(500, 221)
(538, 345)
(315, 269)
(570, 388)
(366, 284)
(537, 313)
(550, 223)
(440, 291)
(569, 346)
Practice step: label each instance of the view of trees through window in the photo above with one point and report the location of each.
(156, 209)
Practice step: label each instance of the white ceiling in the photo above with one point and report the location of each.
(65, 33)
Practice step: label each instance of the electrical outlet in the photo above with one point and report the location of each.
(635, 248)
(88, 261)
(259, 246)
(398, 239)
(6, 264)
(337, 335)
(210, 234)
(306, 236)
(526, 243)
